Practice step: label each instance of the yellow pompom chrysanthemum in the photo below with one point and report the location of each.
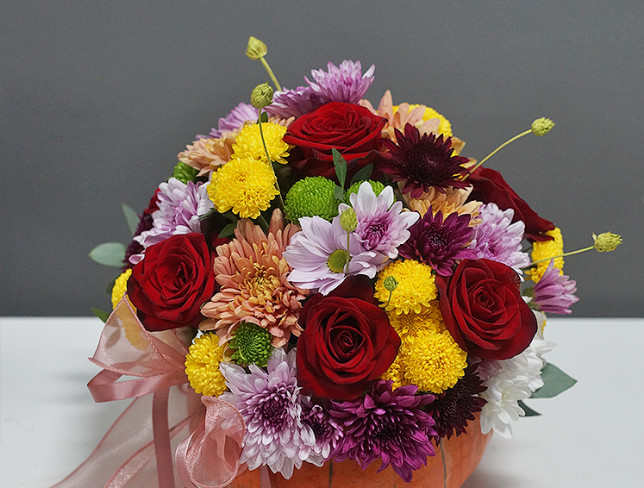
(544, 250)
(248, 143)
(415, 287)
(394, 373)
(202, 365)
(433, 361)
(247, 186)
(120, 287)
(409, 325)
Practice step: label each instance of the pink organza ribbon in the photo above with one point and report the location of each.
(137, 450)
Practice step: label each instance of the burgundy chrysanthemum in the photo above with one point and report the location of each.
(421, 162)
(387, 425)
(453, 410)
(439, 243)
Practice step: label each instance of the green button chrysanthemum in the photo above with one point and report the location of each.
(184, 173)
(310, 197)
(376, 186)
(252, 345)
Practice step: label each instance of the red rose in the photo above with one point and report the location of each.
(489, 186)
(347, 341)
(483, 309)
(172, 282)
(351, 129)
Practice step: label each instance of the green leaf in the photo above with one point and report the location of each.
(109, 254)
(131, 217)
(340, 166)
(101, 314)
(338, 192)
(362, 174)
(555, 381)
(228, 230)
(263, 117)
(528, 411)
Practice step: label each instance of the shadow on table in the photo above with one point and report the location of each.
(482, 478)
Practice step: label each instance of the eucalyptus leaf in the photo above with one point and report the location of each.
(228, 230)
(555, 381)
(362, 174)
(101, 314)
(109, 254)
(528, 411)
(338, 192)
(131, 217)
(340, 166)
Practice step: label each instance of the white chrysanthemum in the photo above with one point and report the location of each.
(508, 381)
(498, 239)
(269, 402)
(180, 205)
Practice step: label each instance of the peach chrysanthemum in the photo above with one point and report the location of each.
(403, 115)
(453, 200)
(207, 155)
(251, 273)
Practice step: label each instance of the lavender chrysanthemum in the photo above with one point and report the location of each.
(318, 255)
(327, 431)
(453, 409)
(382, 224)
(439, 243)
(421, 162)
(555, 292)
(387, 425)
(269, 402)
(498, 239)
(293, 103)
(345, 83)
(236, 118)
(180, 205)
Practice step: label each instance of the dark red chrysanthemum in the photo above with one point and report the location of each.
(421, 162)
(439, 243)
(453, 410)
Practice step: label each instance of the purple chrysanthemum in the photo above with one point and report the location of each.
(498, 239)
(387, 425)
(269, 402)
(344, 83)
(236, 118)
(382, 224)
(180, 205)
(422, 162)
(555, 292)
(456, 407)
(439, 243)
(318, 255)
(293, 103)
(327, 431)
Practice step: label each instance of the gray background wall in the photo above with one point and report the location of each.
(99, 97)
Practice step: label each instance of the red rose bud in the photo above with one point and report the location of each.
(483, 309)
(172, 282)
(351, 129)
(489, 186)
(347, 341)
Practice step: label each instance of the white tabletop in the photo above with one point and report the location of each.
(590, 436)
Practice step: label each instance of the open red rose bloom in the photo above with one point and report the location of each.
(320, 282)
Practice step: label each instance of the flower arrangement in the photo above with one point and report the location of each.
(330, 281)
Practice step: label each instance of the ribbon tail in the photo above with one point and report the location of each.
(161, 429)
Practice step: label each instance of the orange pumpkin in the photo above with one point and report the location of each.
(457, 461)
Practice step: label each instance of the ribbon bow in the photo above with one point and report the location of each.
(137, 446)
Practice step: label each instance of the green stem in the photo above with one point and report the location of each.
(262, 223)
(560, 256)
(391, 292)
(269, 162)
(270, 73)
(509, 141)
(346, 266)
